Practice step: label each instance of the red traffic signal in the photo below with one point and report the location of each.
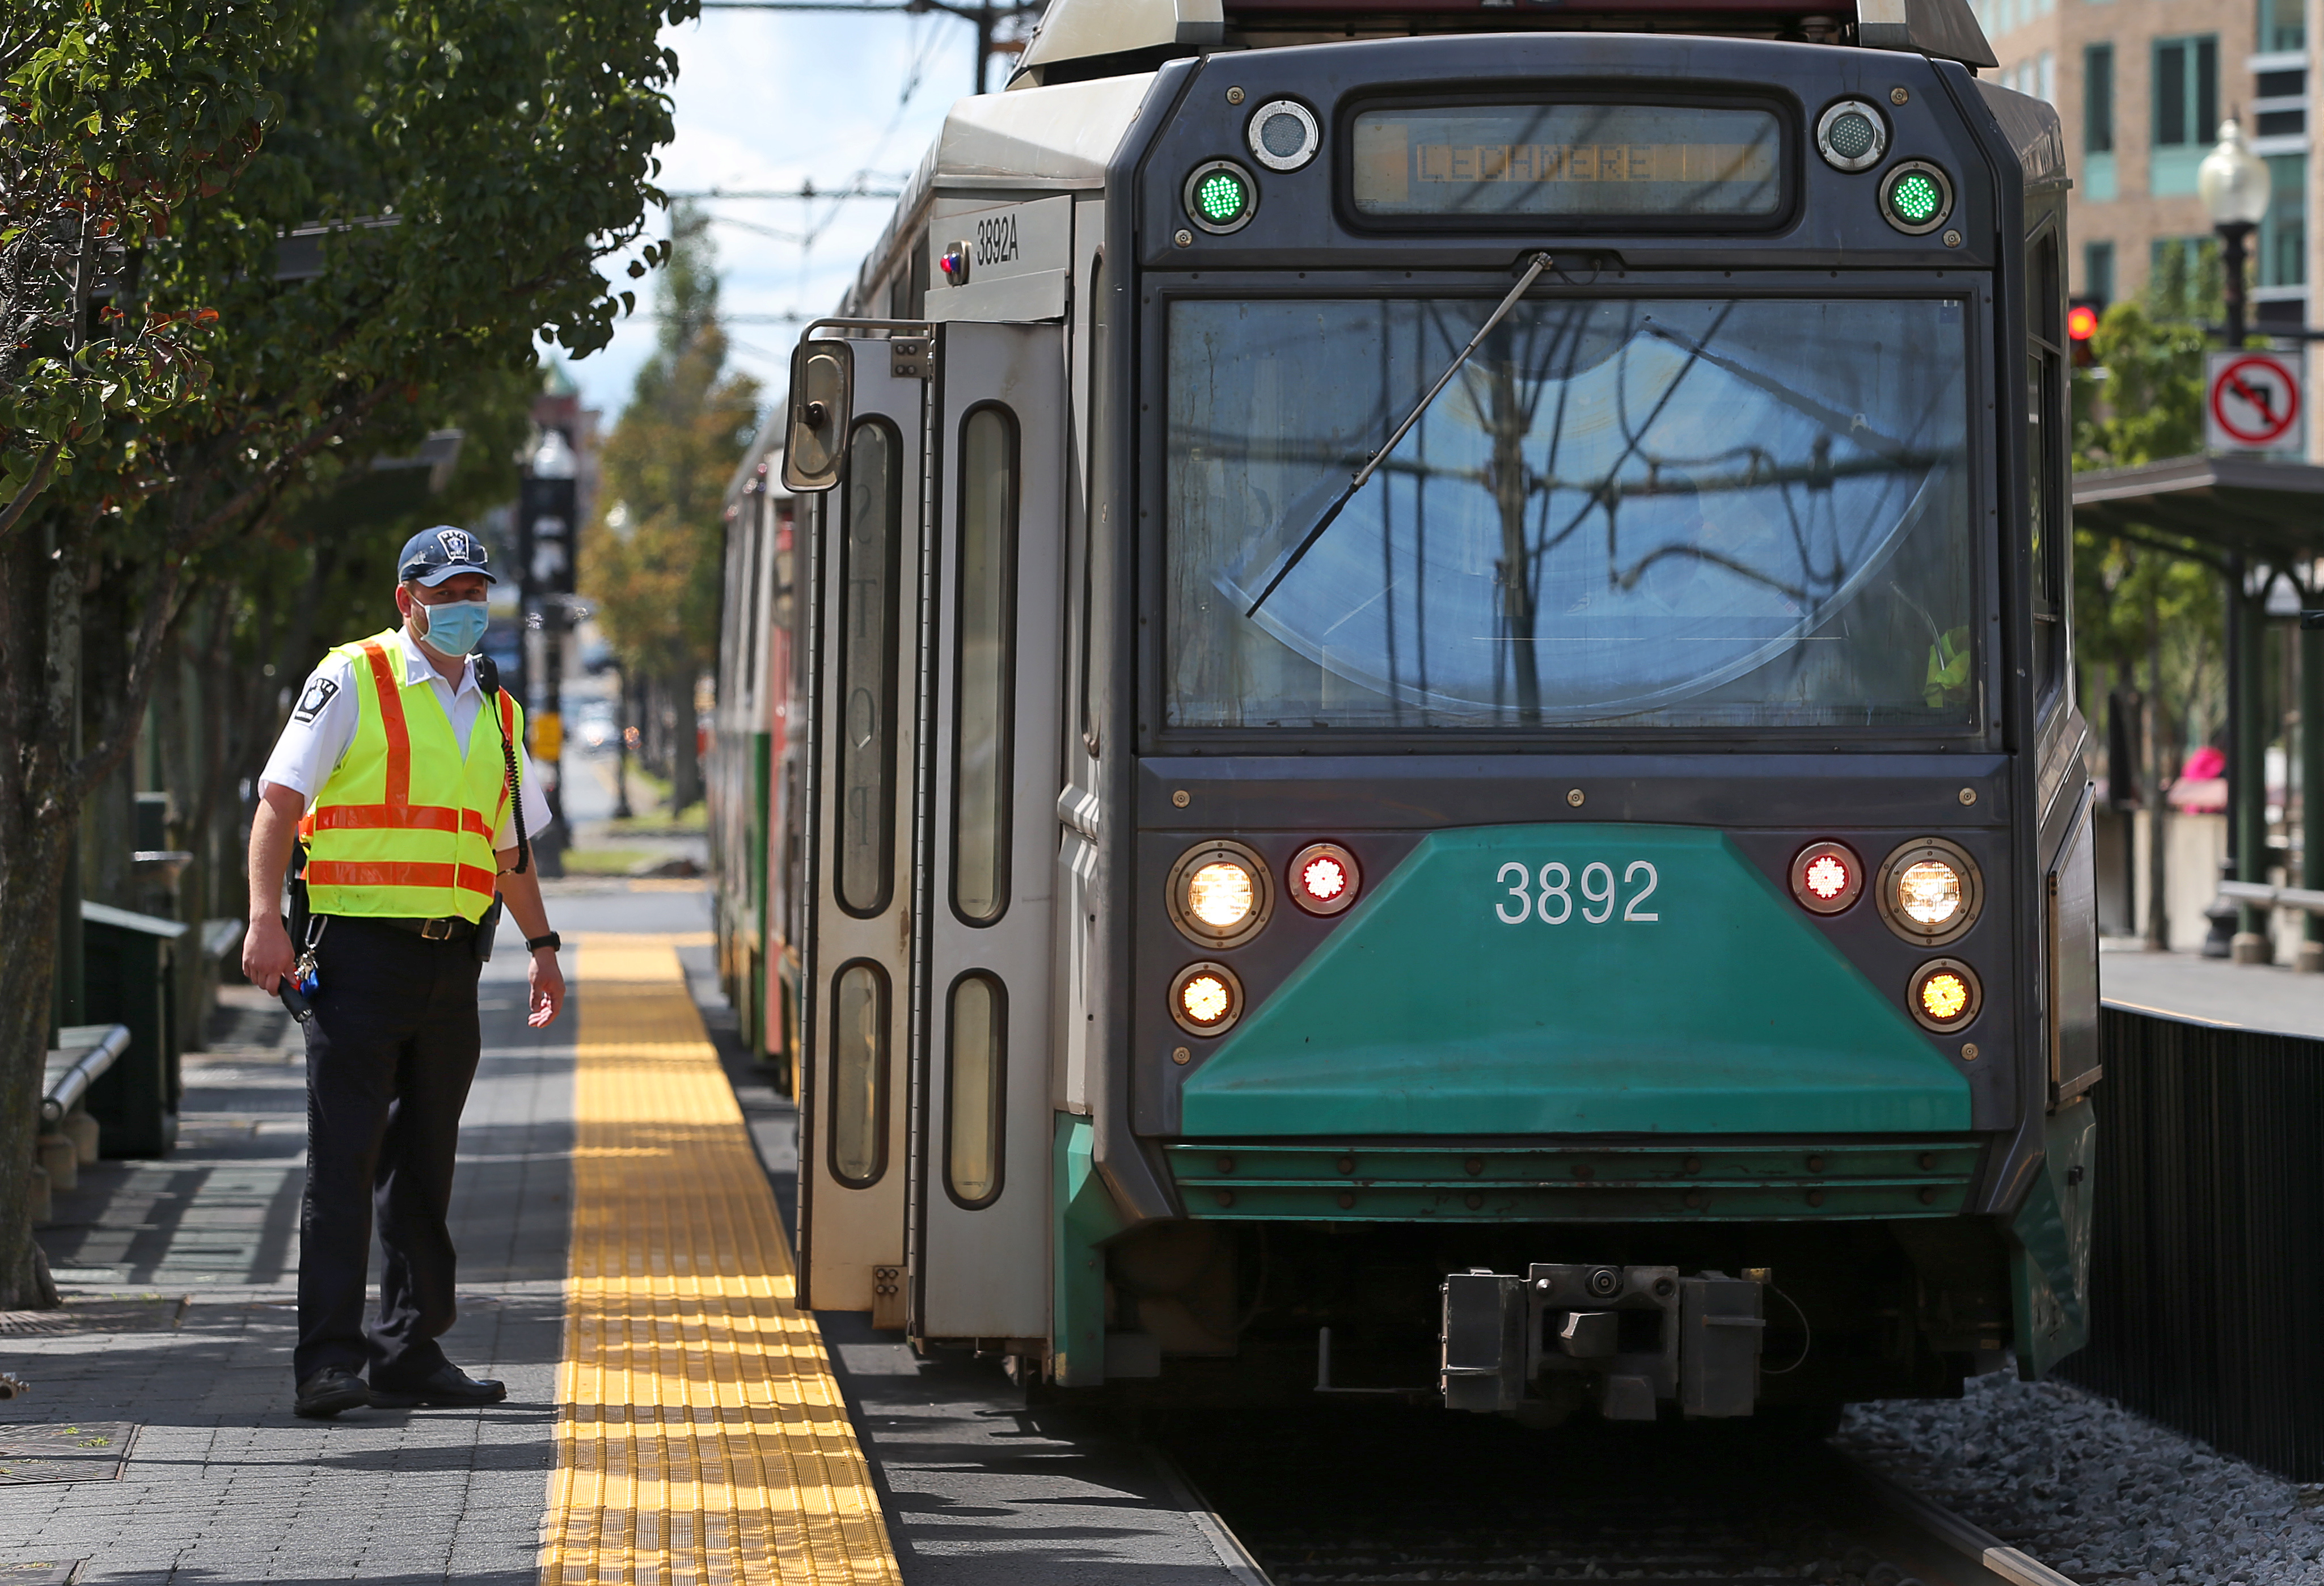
(2081, 325)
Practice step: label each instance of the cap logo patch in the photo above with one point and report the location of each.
(457, 545)
(311, 703)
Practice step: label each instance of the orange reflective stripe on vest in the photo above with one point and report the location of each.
(409, 818)
(405, 825)
(341, 872)
(390, 690)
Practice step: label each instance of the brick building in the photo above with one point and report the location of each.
(2141, 86)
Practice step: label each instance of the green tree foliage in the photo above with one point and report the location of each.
(2148, 610)
(113, 115)
(441, 182)
(652, 562)
(2150, 404)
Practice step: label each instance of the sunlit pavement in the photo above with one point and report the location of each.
(2186, 985)
(223, 1483)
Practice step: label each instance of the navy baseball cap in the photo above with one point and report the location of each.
(434, 555)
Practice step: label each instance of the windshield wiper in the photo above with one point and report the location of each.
(1541, 262)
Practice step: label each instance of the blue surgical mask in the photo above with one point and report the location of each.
(455, 627)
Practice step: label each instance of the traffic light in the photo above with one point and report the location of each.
(2081, 325)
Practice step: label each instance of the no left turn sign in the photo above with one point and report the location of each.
(2252, 401)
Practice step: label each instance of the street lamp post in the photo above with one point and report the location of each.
(2235, 186)
(548, 512)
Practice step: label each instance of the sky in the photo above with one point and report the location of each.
(768, 100)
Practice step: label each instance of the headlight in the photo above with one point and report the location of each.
(1205, 999)
(1945, 995)
(1929, 891)
(1219, 895)
(1323, 878)
(1826, 877)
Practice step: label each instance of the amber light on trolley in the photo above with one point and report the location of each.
(1945, 994)
(1205, 999)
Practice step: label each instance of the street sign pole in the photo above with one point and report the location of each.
(547, 506)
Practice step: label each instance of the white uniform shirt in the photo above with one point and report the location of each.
(322, 726)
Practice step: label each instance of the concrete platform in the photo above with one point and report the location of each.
(2186, 985)
(222, 1484)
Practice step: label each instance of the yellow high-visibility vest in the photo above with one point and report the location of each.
(404, 825)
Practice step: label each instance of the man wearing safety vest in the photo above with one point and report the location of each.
(402, 777)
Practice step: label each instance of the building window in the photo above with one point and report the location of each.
(2284, 235)
(2097, 122)
(2098, 99)
(2283, 25)
(2186, 111)
(2280, 108)
(2036, 77)
(2098, 271)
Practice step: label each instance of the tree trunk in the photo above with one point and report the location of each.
(33, 855)
(39, 645)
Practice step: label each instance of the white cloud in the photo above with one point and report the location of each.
(769, 100)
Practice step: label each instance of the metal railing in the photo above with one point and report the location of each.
(2207, 1262)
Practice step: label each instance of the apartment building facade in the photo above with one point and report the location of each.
(2141, 86)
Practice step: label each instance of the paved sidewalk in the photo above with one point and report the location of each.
(2188, 986)
(225, 1484)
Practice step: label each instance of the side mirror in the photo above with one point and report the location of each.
(822, 389)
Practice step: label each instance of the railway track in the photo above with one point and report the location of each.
(1379, 1495)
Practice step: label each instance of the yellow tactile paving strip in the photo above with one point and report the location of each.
(700, 1436)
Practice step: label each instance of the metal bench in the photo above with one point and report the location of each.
(68, 1135)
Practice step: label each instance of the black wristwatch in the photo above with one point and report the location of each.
(552, 941)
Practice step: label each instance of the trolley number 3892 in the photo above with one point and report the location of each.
(1555, 903)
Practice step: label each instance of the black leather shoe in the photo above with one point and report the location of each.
(448, 1385)
(327, 1392)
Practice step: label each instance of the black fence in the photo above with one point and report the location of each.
(2207, 1266)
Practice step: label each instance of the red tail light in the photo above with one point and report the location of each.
(1826, 878)
(1324, 878)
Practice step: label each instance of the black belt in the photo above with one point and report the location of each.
(451, 928)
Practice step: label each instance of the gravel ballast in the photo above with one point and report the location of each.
(2091, 1489)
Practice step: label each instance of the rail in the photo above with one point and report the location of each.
(1472, 1500)
(87, 1051)
(1995, 1558)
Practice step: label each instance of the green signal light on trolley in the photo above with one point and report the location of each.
(1221, 197)
(1916, 198)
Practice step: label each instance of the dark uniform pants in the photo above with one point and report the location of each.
(390, 1052)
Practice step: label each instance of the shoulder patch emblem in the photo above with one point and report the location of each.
(311, 703)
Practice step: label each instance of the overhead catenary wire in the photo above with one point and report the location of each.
(985, 18)
(807, 190)
(866, 181)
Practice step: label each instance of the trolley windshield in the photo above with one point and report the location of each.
(1712, 513)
